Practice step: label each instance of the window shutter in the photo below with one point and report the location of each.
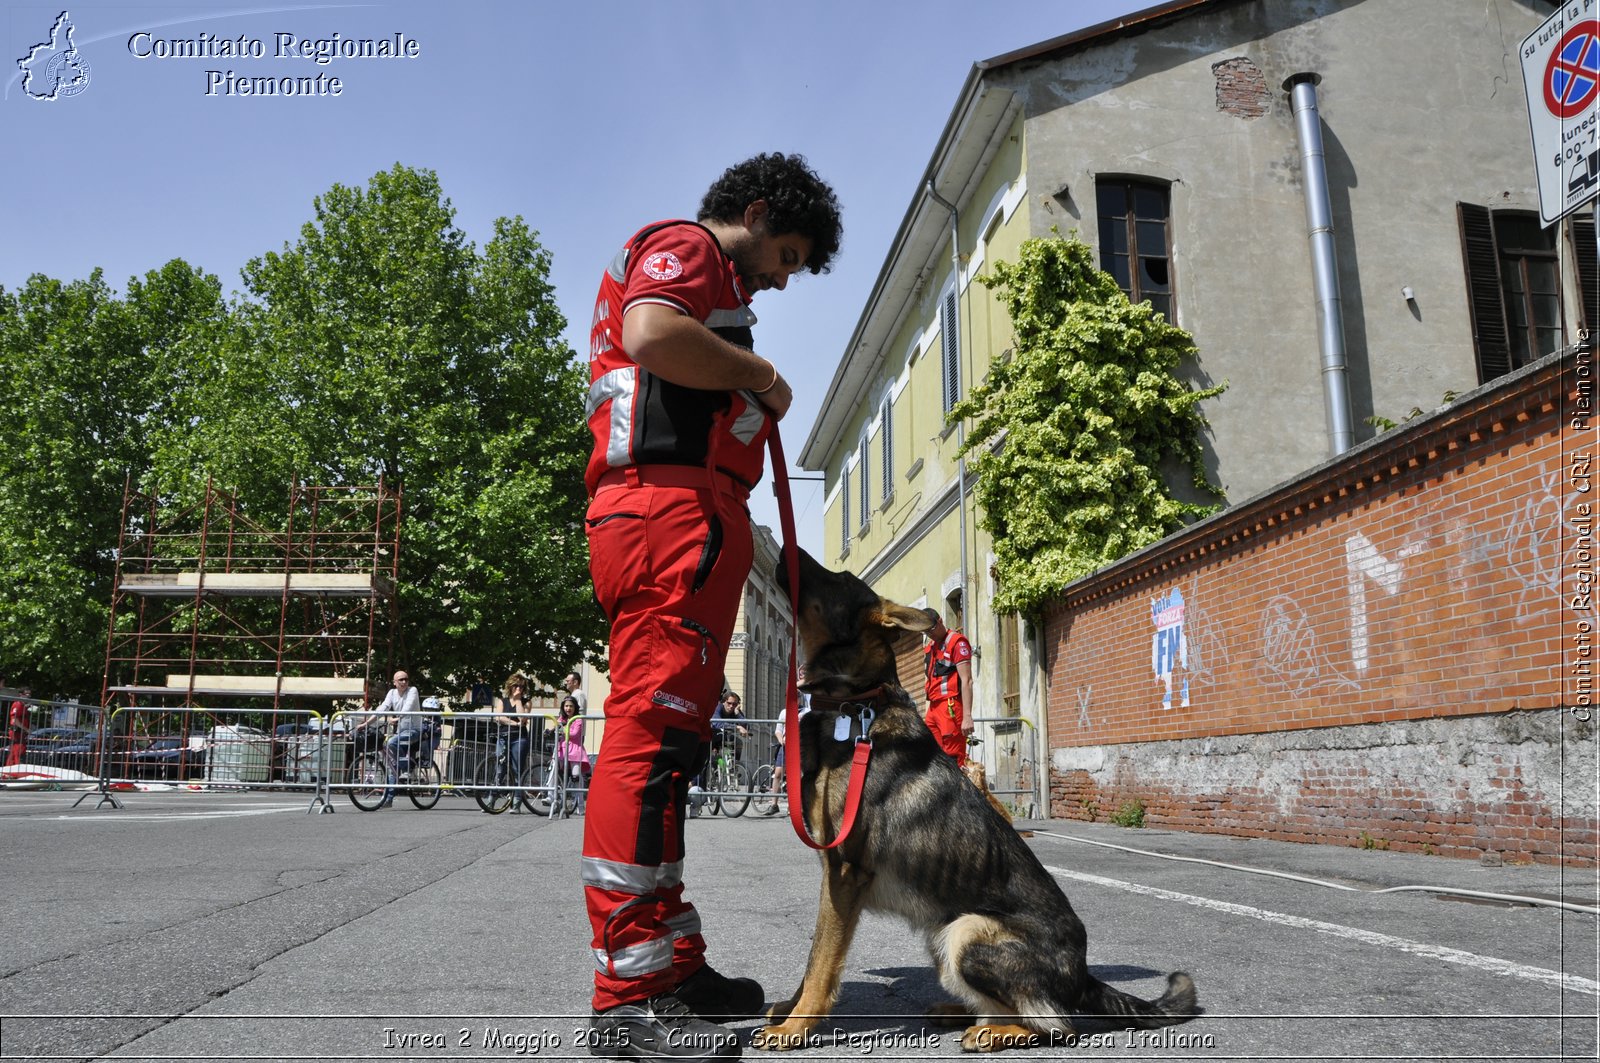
(1588, 259)
(1484, 294)
(844, 509)
(887, 436)
(949, 330)
(862, 495)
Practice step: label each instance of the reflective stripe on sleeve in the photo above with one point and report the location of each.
(743, 317)
(750, 421)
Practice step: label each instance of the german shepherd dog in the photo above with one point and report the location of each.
(928, 847)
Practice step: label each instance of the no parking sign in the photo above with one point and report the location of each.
(1561, 73)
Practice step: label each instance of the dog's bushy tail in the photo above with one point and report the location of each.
(1177, 1004)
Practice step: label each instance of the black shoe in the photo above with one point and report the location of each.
(718, 998)
(661, 1028)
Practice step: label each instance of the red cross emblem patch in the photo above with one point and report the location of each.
(663, 266)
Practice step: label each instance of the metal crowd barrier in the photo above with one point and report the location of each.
(1008, 748)
(471, 752)
(146, 747)
(305, 751)
(57, 750)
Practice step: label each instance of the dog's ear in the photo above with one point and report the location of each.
(893, 614)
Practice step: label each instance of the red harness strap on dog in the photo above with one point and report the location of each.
(791, 707)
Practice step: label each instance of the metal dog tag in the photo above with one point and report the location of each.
(841, 729)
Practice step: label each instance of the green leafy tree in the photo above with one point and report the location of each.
(383, 343)
(90, 377)
(1072, 432)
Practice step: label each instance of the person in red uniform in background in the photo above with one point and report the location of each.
(949, 674)
(680, 407)
(17, 729)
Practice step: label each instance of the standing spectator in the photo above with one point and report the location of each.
(680, 407)
(17, 728)
(573, 684)
(780, 733)
(515, 722)
(570, 754)
(949, 686)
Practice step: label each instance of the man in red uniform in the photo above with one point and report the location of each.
(949, 674)
(17, 729)
(680, 407)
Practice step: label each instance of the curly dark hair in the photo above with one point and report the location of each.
(798, 201)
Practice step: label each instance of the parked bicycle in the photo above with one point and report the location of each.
(557, 795)
(416, 775)
(536, 786)
(763, 796)
(498, 784)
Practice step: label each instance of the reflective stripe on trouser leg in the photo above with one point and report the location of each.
(649, 549)
(633, 863)
(647, 957)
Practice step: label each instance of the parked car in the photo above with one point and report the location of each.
(168, 757)
(61, 747)
(82, 752)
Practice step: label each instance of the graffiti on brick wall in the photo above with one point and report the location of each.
(1527, 545)
(1534, 551)
(1365, 565)
(1208, 654)
(1291, 654)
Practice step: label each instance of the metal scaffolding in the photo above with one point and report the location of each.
(211, 607)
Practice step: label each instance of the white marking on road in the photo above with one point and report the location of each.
(1490, 964)
(225, 813)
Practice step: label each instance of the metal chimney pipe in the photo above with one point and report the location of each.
(1302, 89)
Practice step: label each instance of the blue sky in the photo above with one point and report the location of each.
(588, 119)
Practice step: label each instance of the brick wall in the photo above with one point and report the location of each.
(1241, 88)
(1392, 650)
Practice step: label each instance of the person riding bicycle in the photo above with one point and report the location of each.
(728, 725)
(369, 733)
(402, 707)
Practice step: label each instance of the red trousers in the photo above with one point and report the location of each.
(669, 570)
(944, 720)
(18, 738)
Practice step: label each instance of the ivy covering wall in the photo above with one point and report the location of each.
(1070, 434)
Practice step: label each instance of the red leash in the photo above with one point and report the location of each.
(791, 708)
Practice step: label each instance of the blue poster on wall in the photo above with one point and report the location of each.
(1169, 648)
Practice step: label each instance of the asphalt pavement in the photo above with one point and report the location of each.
(236, 926)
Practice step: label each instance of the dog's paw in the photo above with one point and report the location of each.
(780, 1038)
(780, 1011)
(950, 1014)
(997, 1038)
